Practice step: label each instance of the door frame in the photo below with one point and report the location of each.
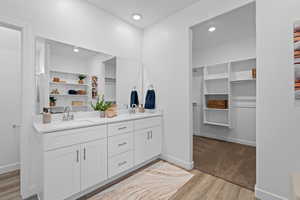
(25, 86)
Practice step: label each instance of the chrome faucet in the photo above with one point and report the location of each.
(66, 115)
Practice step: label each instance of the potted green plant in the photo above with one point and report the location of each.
(52, 101)
(81, 78)
(101, 106)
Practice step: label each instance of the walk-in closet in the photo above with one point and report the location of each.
(224, 96)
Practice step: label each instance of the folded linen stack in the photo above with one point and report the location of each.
(297, 85)
(297, 50)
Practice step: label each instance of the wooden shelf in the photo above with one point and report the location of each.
(65, 72)
(56, 107)
(216, 77)
(216, 124)
(207, 94)
(241, 80)
(67, 95)
(71, 84)
(215, 109)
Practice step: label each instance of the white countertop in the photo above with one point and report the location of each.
(58, 125)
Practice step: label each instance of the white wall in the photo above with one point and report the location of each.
(278, 135)
(166, 57)
(73, 22)
(228, 51)
(10, 70)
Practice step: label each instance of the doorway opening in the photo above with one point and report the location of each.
(224, 96)
(10, 106)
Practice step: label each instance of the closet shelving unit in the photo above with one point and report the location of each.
(71, 83)
(218, 83)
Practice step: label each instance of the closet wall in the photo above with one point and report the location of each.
(233, 40)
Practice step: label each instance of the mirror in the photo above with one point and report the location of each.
(67, 75)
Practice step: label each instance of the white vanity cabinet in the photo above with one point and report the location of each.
(61, 173)
(147, 139)
(73, 163)
(70, 170)
(79, 159)
(93, 163)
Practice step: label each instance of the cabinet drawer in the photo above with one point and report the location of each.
(147, 123)
(75, 136)
(120, 163)
(119, 144)
(120, 128)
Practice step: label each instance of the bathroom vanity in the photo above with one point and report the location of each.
(81, 155)
(78, 156)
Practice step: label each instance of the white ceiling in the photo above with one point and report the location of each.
(236, 25)
(152, 10)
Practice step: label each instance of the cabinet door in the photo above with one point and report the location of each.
(62, 173)
(141, 140)
(93, 163)
(154, 145)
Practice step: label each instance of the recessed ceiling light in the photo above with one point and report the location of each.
(75, 49)
(137, 16)
(212, 29)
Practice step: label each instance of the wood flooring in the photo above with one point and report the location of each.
(207, 187)
(10, 186)
(233, 162)
(201, 187)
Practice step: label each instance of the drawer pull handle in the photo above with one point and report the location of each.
(122, 128)
(77, 156)
(84, 154)
(122, 144)
(122, 163)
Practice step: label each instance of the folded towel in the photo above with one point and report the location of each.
(134, 98)
(297, 53)
(150, 100)
(296, 39)
(297, 34)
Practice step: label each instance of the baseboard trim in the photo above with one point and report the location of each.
(179, 162)
(8, 168)
(234, 140)
(265, 195)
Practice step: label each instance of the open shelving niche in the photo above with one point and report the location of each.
(218, 81)
(110, 80)
(70, 83)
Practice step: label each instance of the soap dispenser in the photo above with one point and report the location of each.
(46, 116)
